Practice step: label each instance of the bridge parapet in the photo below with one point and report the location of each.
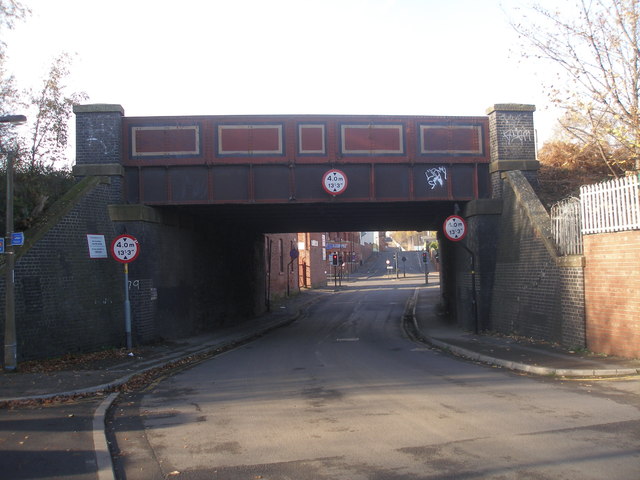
(282, 159)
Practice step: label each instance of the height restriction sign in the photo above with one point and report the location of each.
(334, 182)
(125, 248)
(455, 228)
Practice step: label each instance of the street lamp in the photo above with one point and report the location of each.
(10, 344)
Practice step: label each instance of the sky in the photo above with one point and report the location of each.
(219, 57)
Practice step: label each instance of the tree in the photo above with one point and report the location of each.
(53, 110)
(596, 48)
(565, 167)
(49, 110)
(11, 11)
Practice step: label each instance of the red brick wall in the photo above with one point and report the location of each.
(282, 271)
(612, 293)
(312, 265)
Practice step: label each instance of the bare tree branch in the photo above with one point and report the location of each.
(596, 51)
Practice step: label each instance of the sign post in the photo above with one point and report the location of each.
(455, 229)
(426, 266)
(125, 249)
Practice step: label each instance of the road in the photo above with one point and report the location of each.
(343, 394)
(53, 442)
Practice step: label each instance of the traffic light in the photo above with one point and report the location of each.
(424, 257)
(334, 259)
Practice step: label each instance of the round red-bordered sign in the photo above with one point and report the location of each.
(455, 228)
(334, 182)
(125, 248)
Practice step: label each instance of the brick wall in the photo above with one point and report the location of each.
(536, 293)
(612, 290)
(98, 134)
(192, 277)
(482, 241)
(283, 278)
(65, 301)
(189, 278)
(313, 261)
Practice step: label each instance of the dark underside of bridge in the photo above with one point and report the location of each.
(321, 217)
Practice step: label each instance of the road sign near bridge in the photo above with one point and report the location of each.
(125, 248)
(334, 182)
(455, 228)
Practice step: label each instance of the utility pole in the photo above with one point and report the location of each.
(10, 343)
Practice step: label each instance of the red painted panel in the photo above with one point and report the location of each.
(234, 140)
(435, 139)
(311, 139)
(165, 140)
(266, 139)
(451, 139)
(466, 139)
(356, 139)
(386, 139)
(250, 139)
(366, 139)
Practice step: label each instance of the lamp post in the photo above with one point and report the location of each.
(10, 344)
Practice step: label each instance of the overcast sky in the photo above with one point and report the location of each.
(213, 57)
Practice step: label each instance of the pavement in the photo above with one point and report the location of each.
(511, 352)
(515, 353)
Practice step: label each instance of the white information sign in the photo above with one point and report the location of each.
(97, 246)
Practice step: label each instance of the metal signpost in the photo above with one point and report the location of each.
(455, 229)
(426, 267)
(10, 341)
(294, 254)
(125, 249)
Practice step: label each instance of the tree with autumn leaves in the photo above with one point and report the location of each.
(593, 47)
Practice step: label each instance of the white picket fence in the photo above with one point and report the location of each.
(611, 206)
(565, 224)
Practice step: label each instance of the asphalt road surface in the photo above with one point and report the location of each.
(343, 394)
(52, 442)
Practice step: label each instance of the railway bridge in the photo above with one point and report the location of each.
(235, 178)
(201, 192)
(269, 173)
